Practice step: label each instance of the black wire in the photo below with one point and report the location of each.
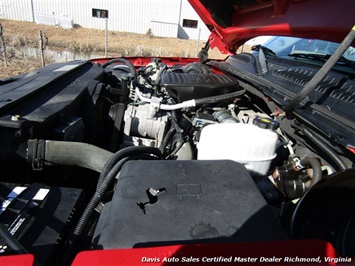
(129, 151)
(325, 148)
(12, 241)
(106, 181)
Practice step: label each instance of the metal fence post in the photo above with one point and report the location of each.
(41, 47)
(106, 36)
(2, 41)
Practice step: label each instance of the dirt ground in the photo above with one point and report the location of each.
(19, 34)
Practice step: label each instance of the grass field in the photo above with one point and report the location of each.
(20, 34)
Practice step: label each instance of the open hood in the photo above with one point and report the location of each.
(232, 22)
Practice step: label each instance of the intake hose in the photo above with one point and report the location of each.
(325, 148)
(316, 167)
(52, 152)
(126, 62)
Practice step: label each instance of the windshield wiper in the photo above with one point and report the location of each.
(263, 52)
(265, 49)
(323, 58)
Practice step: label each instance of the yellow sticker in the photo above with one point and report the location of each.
(266, 120)
(353, 28)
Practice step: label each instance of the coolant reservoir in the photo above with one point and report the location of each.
(244, 143)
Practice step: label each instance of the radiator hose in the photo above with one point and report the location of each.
(325, 148)
(52, 152)
(315, 166)
(294, 183)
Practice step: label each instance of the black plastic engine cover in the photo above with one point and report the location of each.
(177, 202)
(183, 86)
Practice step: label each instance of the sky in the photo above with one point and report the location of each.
(258, 40)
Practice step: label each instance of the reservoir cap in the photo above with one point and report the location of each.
(266, 123)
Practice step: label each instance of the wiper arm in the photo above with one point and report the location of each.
(318, 57)
(266, 50)
(323, 58)
(344, 61)
(263, 51)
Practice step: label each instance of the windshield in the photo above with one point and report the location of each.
(285, 46)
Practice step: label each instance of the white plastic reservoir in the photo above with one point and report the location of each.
(245, 143)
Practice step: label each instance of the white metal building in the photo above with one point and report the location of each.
(165, 18)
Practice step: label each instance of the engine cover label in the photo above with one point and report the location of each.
(188, 191)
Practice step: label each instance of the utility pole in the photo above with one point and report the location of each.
(179, 19)
(198, 41)
(33, 12)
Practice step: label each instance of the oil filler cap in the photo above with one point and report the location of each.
(266, 123)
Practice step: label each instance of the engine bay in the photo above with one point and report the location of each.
(141, 152)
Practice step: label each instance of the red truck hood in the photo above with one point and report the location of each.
(232, 22)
